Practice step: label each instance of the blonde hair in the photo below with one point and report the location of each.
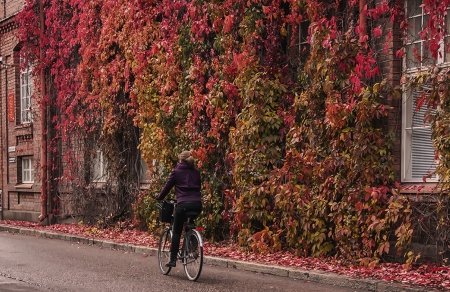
(187, 156)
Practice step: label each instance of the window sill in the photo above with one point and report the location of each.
(145, 186)
(412, 189)
(23, 126)
(24, 186)
(98, 184)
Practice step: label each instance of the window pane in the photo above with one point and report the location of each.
(426, 55)
(304, 26)
(413, 7)
(425, 21)
(446, 49)
(412, 52)
(422, 150)
(419, 115)
(99, 167)
(144, 171)
(27, 170)
(25, 95)
(415, 25)
(422, 153)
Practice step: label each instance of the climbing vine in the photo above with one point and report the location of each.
(289, 130)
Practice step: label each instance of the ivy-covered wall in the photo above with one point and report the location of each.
(291, 139)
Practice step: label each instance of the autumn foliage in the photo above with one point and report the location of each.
(290, 130)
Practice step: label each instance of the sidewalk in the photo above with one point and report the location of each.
(305, 275)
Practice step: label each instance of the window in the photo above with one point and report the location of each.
(418, 153)
(418, 150)
(417, 52)
(99, 167)
(27, 170)
(304, 46)
(25, 92)
(144, 175)
(297, 45)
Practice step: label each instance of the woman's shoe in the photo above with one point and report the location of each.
(171, 264)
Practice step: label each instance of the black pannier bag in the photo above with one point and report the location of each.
(166, 211)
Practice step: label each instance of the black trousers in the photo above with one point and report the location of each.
(178, 222)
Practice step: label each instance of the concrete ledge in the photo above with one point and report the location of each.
(9, 229)
(126, 248)
(259, 268)
(299, 274)
(52, 235)
(21, 215)
(218, 262)
(27, 231)
(79, 239)
(394, 287)
(109, 244)
(362, 284)
(146, 250)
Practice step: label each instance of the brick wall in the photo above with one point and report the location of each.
(9, 8)
(23, 201)
(391, 70)
(17, 140)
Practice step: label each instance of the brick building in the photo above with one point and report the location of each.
(20, 137)
(23, 146)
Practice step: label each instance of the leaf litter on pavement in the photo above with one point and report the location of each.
(430, 275)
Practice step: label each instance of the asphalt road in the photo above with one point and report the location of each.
(30, 264)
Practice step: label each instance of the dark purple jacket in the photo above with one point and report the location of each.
(187, 183)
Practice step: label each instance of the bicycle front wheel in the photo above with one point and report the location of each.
(193, 255)
(165, 242)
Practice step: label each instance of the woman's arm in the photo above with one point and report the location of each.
(168, 186)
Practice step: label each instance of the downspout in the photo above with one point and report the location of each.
(5, 160)
(43, 124)
(2, 141)
(362, 18)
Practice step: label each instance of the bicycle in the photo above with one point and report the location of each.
(191, 250)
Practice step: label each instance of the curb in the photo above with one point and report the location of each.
(295, 273)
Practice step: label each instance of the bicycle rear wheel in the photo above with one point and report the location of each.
(164, 250)
(193, 255)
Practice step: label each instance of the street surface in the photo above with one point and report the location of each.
(31, 264)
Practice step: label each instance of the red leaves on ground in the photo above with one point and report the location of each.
(429, 275)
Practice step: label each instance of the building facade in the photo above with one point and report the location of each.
(23, 146)
(20, 132)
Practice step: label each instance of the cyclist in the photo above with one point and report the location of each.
(186, 179)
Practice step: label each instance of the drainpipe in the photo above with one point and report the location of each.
(43, 125)
(362, 18)
(2, 146)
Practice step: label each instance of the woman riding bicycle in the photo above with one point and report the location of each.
(186, 179)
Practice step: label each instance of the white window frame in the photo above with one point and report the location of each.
(411, 162)
(25, 92)
(27, 169)
(414, 130)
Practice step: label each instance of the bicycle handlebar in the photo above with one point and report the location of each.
(168, 201)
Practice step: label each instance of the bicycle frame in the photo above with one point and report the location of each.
(183, 236)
